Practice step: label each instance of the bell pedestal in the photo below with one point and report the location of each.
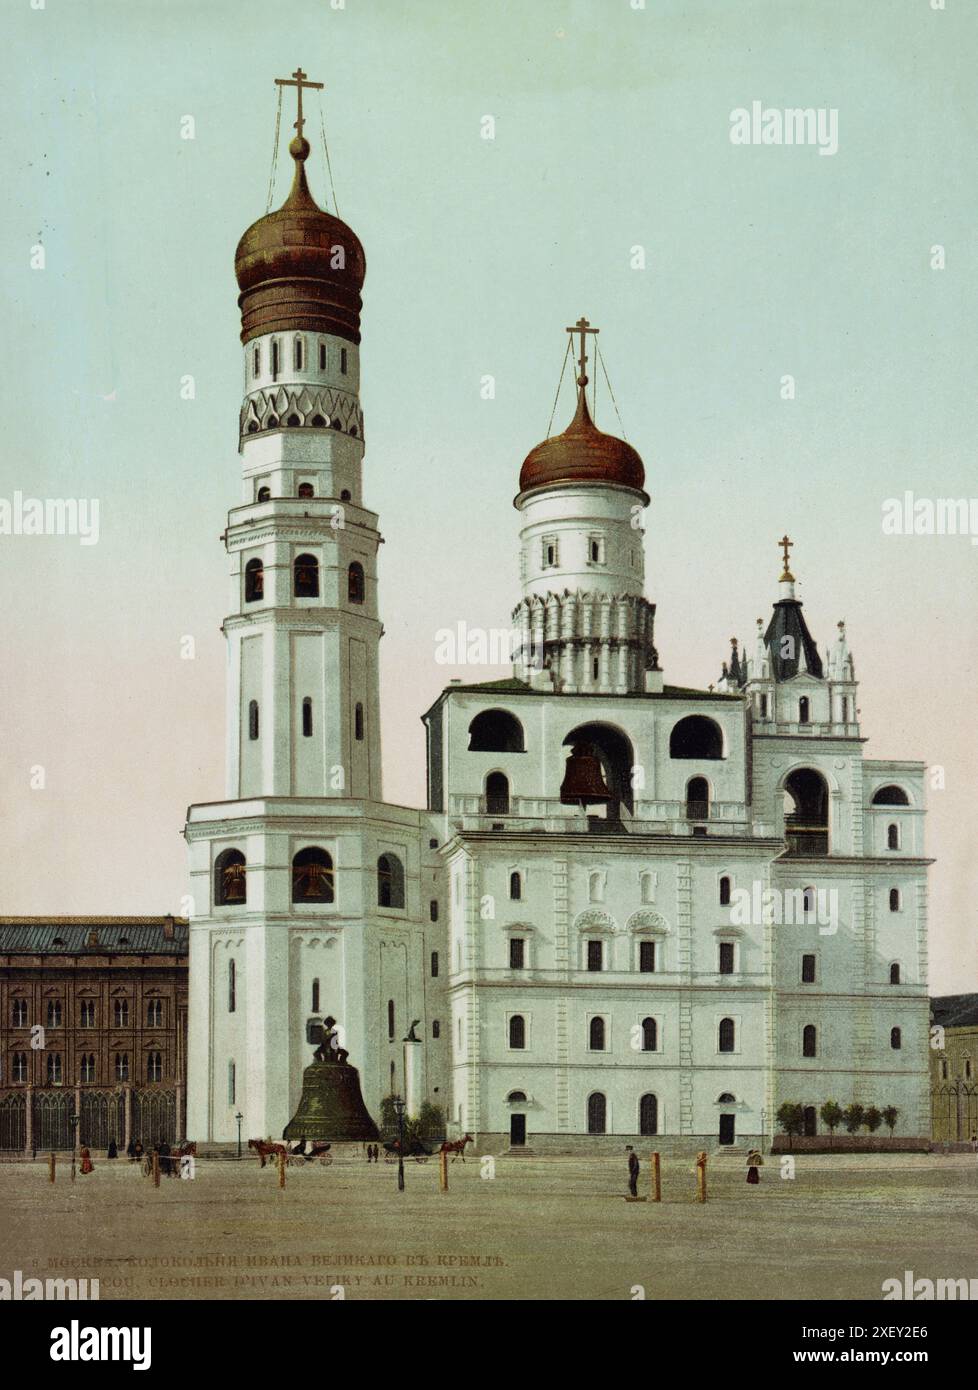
(331, 1108)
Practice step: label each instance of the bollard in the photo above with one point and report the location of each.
(281, 1169)
(656, 1179)
(443, 1171)
(156, 1169)
(52, 1167)
(701, 1177)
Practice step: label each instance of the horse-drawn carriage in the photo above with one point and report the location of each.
(412, 1149)
(296, 1151)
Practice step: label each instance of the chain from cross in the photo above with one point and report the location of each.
(786, 545)
(298, 80)
(584, 328)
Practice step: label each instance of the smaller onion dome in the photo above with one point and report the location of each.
(582, 454)
(300, 267)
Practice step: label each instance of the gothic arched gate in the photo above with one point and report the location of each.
(52, 1125)
(154, 1116)
(954, 1111)
(13, 1121)
(103, 1117)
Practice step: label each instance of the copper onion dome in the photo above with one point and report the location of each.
(582, 454)
(300, 267)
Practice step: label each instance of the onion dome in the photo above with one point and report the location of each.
(300, 267)
(582, 454)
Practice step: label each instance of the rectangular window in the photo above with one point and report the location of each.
(322, 357)
(549, 552)
(594, 955)
(434, 965)
(232, 1083)
(726, 958)
(646, 957)
(808, 970)
(433, 909)
(517, 958)
(343, 360)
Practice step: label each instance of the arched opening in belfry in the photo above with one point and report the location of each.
(696, 737)
(614, 752)
(496, 731)
(806, 812)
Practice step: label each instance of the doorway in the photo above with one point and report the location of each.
(809, 1121)
(727, 1129)
(517, 1131)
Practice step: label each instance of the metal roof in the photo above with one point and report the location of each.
(955, 1010)
(140, 936)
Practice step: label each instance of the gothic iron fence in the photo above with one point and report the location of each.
(954, 1111)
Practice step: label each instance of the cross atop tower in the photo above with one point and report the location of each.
(298, 80)
(786, 545)
(584, 328)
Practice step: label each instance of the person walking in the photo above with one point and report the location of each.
(754, 1162)
(633, 1170)
(113, 1151)
(87, 1165)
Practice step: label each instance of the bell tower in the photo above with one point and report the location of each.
(303, 628)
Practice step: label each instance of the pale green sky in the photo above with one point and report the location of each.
(611, 131)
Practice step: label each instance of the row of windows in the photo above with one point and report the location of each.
(254, 719)
(499, 731)
(647, 1039)
(967, 1073)
(305, 579)
(298, 356)
(87, 1013)
(313, 878)
(87, 1067)
(305, 490)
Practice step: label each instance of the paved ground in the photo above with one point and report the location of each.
(553, 1228)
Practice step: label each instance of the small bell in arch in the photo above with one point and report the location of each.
(584, 783)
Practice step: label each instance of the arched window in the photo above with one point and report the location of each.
(390, 1020)
(306, 489)
(809, 1040)
(894, 974)
(497, 794)
(697, 799)
(517, 1032)
(318, 423)
(88, 1066)
(647, 881)
(293, 420)
(696, 737)
(54, 1074)
(890, 796)
(725, 891)
(595, 1038)
(726, 1035)
(896, 1039)
(254, 581)
(648, 1115)
(252, 719)
(154, 1066)
(232, 986)
(434, 965)
(256, 361)
(120, 1014)
(650, 1035)
(154, 1013)
(435, 1028)
(356, 587)
(322, 357)
(315, 996)
(275, 361)
(597, 1113)
(809, 899)
(433, 909)
(806, 818)
(390, 881)
(54, 1013)
(264, 494)
(229, 878)
(20, 1066)
(297, 354)
(515, 886)
(804, 707)
(306, 576)
(312, 876)
(307, 717)
(358, 722)
(122, 1066)
(893, 837)
(894, 900)
(496, 731)
(19, 1019)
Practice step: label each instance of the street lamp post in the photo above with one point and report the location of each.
(73, 1121)
(399, 1107)
(239, 1117)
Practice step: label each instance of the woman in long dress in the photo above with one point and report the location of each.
(754, 1161)
(86, 1161)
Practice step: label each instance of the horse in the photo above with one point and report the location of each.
(456, 1147)
(266, 1148)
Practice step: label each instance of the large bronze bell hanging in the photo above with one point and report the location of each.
(584, 783)
(331, 1107)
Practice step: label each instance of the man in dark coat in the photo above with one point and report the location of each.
(633, 1170)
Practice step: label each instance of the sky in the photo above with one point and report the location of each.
(611, 125)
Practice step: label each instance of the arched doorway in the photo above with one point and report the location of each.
(648, 1115)
(597, 1113)
(806, 812)
(614, 752)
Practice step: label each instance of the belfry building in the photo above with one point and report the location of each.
(629, 908)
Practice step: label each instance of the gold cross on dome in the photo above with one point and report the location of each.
(298, 80)
(786, 545)
(584, 328)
